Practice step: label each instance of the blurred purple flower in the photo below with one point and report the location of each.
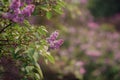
(98, 44)
(82, 70)
(15, 4)
(93, 53)
(85, 46)
(28, 1)
(8, 15)
(80, 63)
(117, 56)
(83, 1)
(93, 25)
(27, 11)
(53, 43)
(107, 61)
(115, 35)
(18, 19)
(56, 44)
(17, 11)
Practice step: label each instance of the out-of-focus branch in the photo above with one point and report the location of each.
(3, 29)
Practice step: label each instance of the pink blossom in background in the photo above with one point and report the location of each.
(93, 25)
(71, 49)
(83, 1)
(117, 56)
(99, 44)
(63, 53)
(85, 46)
(72, 30)
(82, 70)
(80, 63)
(115, 35)
(115, 46)
(93, 53)
(92, 33)
(107, 61)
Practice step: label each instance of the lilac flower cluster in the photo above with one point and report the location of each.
(19, 10)
(53, 43)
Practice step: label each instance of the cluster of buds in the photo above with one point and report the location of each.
(19, 10)
(53, 43)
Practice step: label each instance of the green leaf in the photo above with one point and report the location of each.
(45, 8)
(50, 57)
(30, 53)
(42, 30)
(58, 10)
(17, 50)
(29, 68)
(48, 15)
(37, 76)
(61, 3)
(37, 67)
(35, 56)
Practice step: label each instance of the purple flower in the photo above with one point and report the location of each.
(53, 36)
(18, 19)
(14, 17)
(53, 43)
(18, 15)
(9, 15)
(56, 44)
(28, 1)
(15, 4)
(17, 11)
(27, 11)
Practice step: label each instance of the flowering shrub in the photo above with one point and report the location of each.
(53, 43)
(16, 13)
(22, 43)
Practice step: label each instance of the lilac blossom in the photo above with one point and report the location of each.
(8, 15)
(16, 14)
(53, 43)
(28, 10)
(53, 36)
(15, 4)
(18, 19)
(57, 44)
(17, 11)
(28, 1)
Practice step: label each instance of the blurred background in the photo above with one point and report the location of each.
(91, 33)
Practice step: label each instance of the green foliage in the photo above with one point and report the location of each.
(26, 43)
(48, 7)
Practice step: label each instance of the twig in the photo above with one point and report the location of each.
(5, 28)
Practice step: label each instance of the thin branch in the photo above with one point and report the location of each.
(3, 29)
